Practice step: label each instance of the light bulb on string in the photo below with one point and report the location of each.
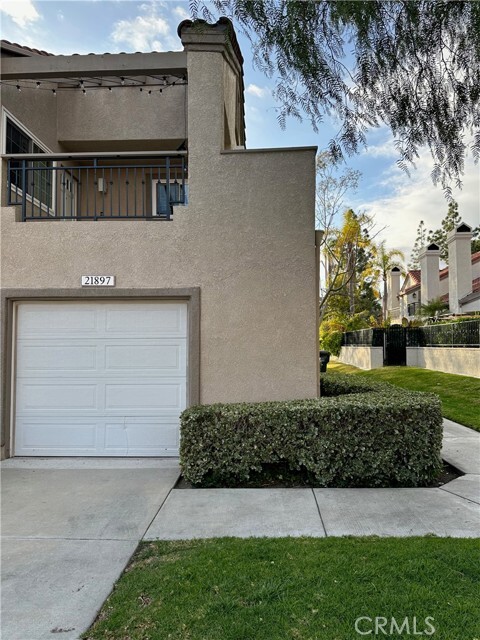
(122, 82)
(19, 88)
(38, 85)
(54, 92)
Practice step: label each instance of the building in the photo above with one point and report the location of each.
(457, 285)
(148, 260)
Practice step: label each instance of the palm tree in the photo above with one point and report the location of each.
(383, 262)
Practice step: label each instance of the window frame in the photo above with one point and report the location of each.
(8, 116)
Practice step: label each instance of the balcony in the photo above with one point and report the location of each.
(106, 186)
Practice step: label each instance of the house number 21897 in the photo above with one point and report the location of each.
(98, 281)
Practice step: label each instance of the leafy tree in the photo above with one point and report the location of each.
(341, 252)
(412, 65)
(420, 242)
(439, 236)
(383, 262)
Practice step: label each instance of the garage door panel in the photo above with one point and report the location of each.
(160, 358)
(37, 318)
(169, 319)
(56, 396)
(64, 435)
(39, 359)
(144, 397)
(144, 434)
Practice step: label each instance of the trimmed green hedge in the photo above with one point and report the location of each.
(361, 433)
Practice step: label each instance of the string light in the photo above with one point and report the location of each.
(146, 88)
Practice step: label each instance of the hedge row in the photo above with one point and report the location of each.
(359, 434)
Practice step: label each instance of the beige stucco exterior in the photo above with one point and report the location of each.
(245, 241)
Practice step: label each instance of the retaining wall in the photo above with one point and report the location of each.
(362, 357)
(461, 360)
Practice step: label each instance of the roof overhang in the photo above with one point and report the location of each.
(56, 68)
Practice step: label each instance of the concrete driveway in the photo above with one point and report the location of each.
(69, 528)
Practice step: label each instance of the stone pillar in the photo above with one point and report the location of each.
(459, 265)
(429, 258)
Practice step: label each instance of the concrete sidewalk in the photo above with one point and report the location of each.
(451, 510)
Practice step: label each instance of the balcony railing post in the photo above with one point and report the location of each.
(24, 190)
(167, 171)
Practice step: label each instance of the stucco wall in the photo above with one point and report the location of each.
(36, 110)
(125, 118)
(362, 357)
(462, 360)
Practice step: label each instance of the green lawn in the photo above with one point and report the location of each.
(460, 395)
(294, 589)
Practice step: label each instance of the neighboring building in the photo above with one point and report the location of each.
(458, 285)
(132, 167)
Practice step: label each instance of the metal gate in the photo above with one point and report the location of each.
(395, 346)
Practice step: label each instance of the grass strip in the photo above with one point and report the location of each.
(294, 588)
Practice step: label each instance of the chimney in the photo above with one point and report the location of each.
(459, 265)
(429, 258)
(393, 291)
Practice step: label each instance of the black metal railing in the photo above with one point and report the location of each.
(452, 334)
(363, 338)
(102, 187)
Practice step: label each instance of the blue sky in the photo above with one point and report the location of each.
(97, 26)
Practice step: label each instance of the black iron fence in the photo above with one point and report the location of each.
(105, 187)
(452, 334)
(363, 338)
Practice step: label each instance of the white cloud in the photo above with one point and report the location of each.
(181, 13)
(146, 32)
(385, 149)
(22, 12)
(416, 198)
(258, 92)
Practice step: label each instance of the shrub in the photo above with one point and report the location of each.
(359, 434)
(332, 342)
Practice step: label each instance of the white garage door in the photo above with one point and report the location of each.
(100, 378)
